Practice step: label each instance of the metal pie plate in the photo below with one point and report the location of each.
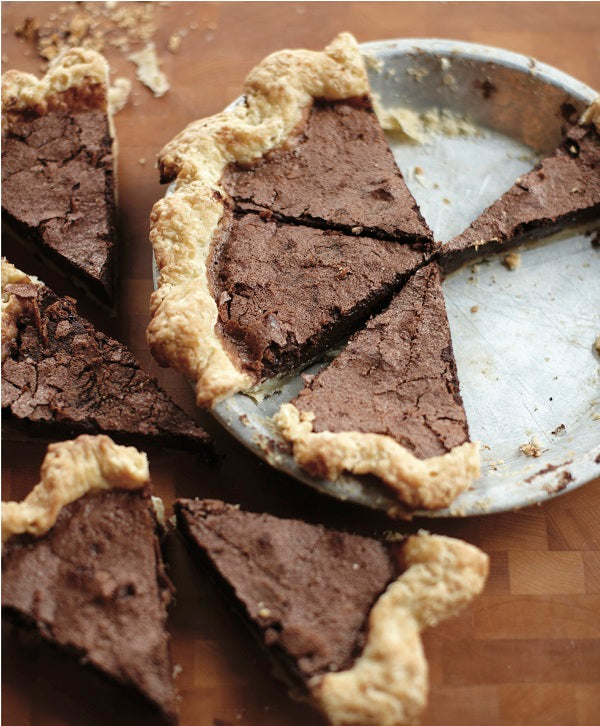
(523, 338)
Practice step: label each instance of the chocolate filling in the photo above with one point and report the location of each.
(397, 376)
(337, 172)
(562, 190)
(64, 376)
(58, 190)
(286, 293)
(306, 590)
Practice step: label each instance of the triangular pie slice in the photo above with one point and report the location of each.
(306, 125)
(61, 376)
(81, 566)
(389, 404)
(562, 190)
(335, 171)
(341, 613)
(58, 185)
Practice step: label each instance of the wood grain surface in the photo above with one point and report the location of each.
(527, 651)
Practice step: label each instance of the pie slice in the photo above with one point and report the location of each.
(335, 171)
(58, 186)
(389, 404)
(62, 376)
(81, 566)
(341, 613)
(267, 244)
(563, 189)
(284, 292)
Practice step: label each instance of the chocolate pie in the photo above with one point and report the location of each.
(389, 404)
(61, 376)
(58, 185)
(340, 612)
(82, 570)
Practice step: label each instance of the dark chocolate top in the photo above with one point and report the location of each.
(95, 583)
(61, 372)
(307, 589)
(286, 292)
(397, 376)
(57, 188)
(564, 188)
(338, 172)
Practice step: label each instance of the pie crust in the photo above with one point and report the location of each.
(76, 80)
(69, 471)
(388, 683)
(420, 483)
(278, 94)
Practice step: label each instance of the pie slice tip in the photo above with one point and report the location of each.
(562, 190)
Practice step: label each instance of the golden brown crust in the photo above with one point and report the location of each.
(13, 305)
(277, 93)
(387, 685)
(76, 79)
(430, 483)
(70, 470)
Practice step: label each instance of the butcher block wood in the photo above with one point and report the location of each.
(528, 650)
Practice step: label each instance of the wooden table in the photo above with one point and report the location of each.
(528, 650)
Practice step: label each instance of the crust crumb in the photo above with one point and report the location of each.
(118, 94)
(174, 43)
(532, 448)
(512, 260)
(387, 685)
(148, 71)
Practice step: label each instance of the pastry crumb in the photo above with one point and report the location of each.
(532, 448)
(357, 230)
(177, 668)
(142, 161)
(28, 29)
(174, 43)
(118, 94)
(417, 73)
(421, 127)
(148, 71)
(597, 345)
(474, 308)
(512, 260)
(559, 430)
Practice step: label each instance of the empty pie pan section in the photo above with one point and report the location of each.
(524, 338)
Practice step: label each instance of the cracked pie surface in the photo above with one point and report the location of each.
(261, 271)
